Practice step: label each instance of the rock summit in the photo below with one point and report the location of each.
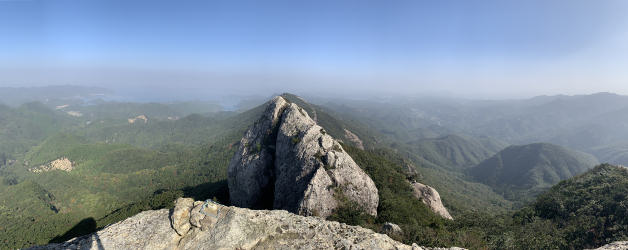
(286, 161)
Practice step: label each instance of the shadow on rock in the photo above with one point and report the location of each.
(86, 226)
(210, 190)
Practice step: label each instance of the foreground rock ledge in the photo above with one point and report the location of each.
(222, 227)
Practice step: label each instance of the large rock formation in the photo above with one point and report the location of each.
(286, 161)
(221, 227)
(430, 197)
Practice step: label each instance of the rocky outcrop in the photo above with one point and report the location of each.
(431, 198)
(230, 228)
(354, 139)
(74, 113)
(139, 117)
(615, 246)
(286, 161)
(391, 229)
(63, 164)
(180, 217)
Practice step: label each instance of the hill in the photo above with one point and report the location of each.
(103, 181)
(616, 154)
(25, 126)
(586, 211)
(115, 169)
(520, 172)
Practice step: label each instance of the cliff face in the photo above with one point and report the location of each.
(286, 158)
(200, 225)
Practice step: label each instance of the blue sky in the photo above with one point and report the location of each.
(467, 48)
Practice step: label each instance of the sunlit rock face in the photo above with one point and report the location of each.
(430, 197)
(286, 161)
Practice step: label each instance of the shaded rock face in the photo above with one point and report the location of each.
(230, 228)
(296, 166)
(146, 230)
(431, 198)
(251, 171)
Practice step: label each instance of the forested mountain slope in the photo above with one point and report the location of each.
(586, 211)
(520, 172)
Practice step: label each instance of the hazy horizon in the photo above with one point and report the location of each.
(467, 49)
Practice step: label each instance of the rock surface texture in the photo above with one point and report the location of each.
(180, 217)
(431, 198)
(286, 161)
(224, 227)
(615, 246)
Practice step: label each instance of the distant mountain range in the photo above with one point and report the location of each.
(596, 123)
(51, 95)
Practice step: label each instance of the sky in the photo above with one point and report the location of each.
(462, 48)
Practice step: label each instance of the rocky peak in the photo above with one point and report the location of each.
(287, 161)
